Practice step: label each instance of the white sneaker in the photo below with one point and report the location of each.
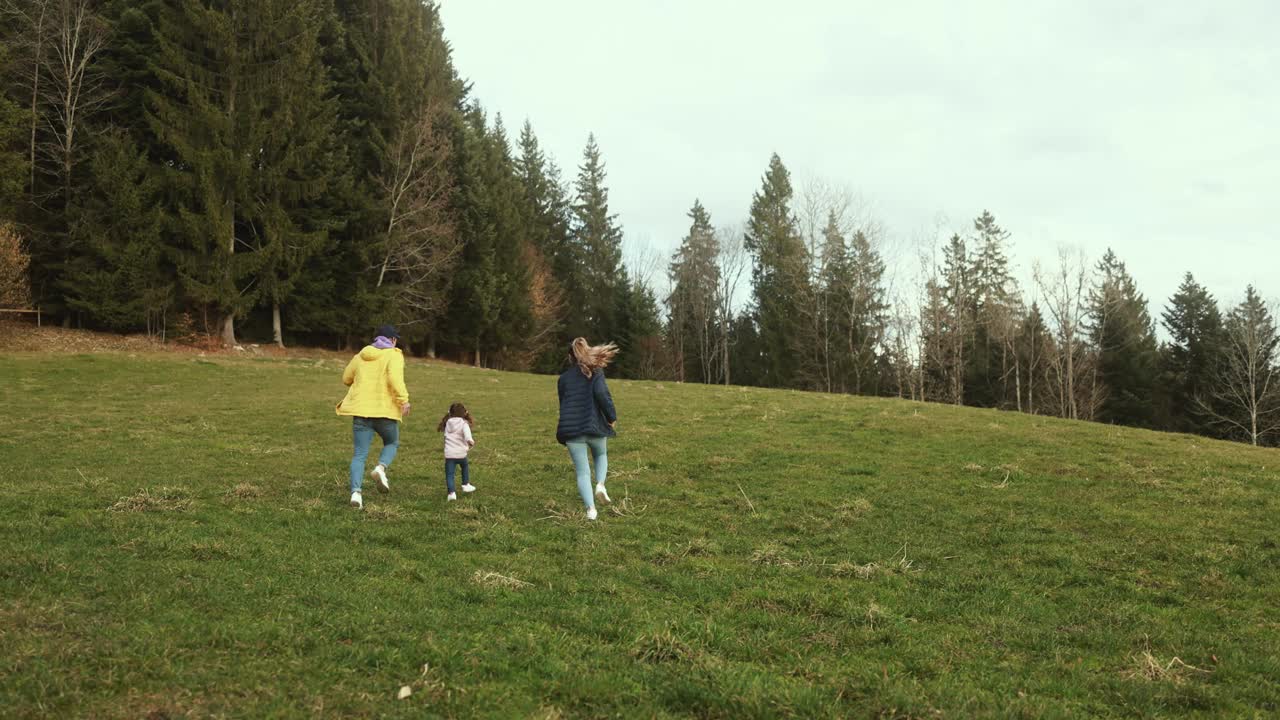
(380, 474)
(452, 496)
(591, 514)
(468, 488)
(602, 493)
(357, 501)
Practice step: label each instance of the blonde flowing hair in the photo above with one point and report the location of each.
(590, 358)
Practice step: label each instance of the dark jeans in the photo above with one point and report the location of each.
(449, 467)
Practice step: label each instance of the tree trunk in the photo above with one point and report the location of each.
(277, 333)
(1017, 381)
(35, 88)
(477, 358)
(431, 346)
(229, 330)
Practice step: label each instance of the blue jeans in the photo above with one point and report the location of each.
(363, 430)
(599, 449)
(450, 465)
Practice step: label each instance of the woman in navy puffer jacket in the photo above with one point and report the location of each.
(587, 416)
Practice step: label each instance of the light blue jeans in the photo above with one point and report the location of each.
(363, 430)
(599, 450)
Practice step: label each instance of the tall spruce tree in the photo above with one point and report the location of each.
(122, 279)
(488, 306)
(995, 317)
(1123, 335)
(546, 220)
(960, 299)
(835, 306)
(779, 277)
(288, 210)
(1189, 359)
(216, 69)
(694, 301)
(598, 242)
(867, 310)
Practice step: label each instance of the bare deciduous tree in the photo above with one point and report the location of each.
(1064, 289)
(733, 260)
(421, 245)
(1246, 397)
(76, 88)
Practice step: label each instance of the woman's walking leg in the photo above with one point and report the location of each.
(389, 431)
(578, 453)
(362, 436)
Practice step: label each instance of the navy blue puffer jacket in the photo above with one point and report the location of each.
(586, 407)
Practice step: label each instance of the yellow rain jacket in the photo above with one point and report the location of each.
(376, 381)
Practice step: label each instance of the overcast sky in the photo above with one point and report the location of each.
(1151, 128)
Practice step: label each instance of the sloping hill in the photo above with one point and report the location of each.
(178, 544)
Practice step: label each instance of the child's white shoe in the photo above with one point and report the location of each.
(468, 488)
(602, 493)
(591, 514)
(380, 474)
(452, 496)
(357, 501)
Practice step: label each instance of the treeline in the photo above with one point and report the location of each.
(300, 169)
(306, 169)
(825, 316)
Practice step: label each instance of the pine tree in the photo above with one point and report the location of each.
(694, 300)
(835, 307)
(546, 221)
(122, 280)
(288, 212)
(489, 307)
(867, 312)
(13, 163)
(779, 276)
(638, 330)
(215, 67)
(995, 316)
(960, 298)
(1189, 359)
(1123, 335)
(598, 242)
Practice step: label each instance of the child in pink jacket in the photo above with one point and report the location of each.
(456, 426)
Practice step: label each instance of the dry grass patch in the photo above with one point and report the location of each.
(165, 499)
(1152, 669)
(853, 509)
(244, 491)
(383, 512)
(493, 580)
(772, 554)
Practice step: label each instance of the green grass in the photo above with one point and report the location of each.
(177, 543)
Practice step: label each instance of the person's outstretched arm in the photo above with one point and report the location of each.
(604, 400)
(466, 434)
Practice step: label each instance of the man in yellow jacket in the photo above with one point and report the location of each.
(376, 401)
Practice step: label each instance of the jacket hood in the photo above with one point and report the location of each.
(370, 353)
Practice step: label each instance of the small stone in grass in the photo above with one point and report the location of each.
(405, 691)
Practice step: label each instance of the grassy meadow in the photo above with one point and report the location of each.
(178, 543)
